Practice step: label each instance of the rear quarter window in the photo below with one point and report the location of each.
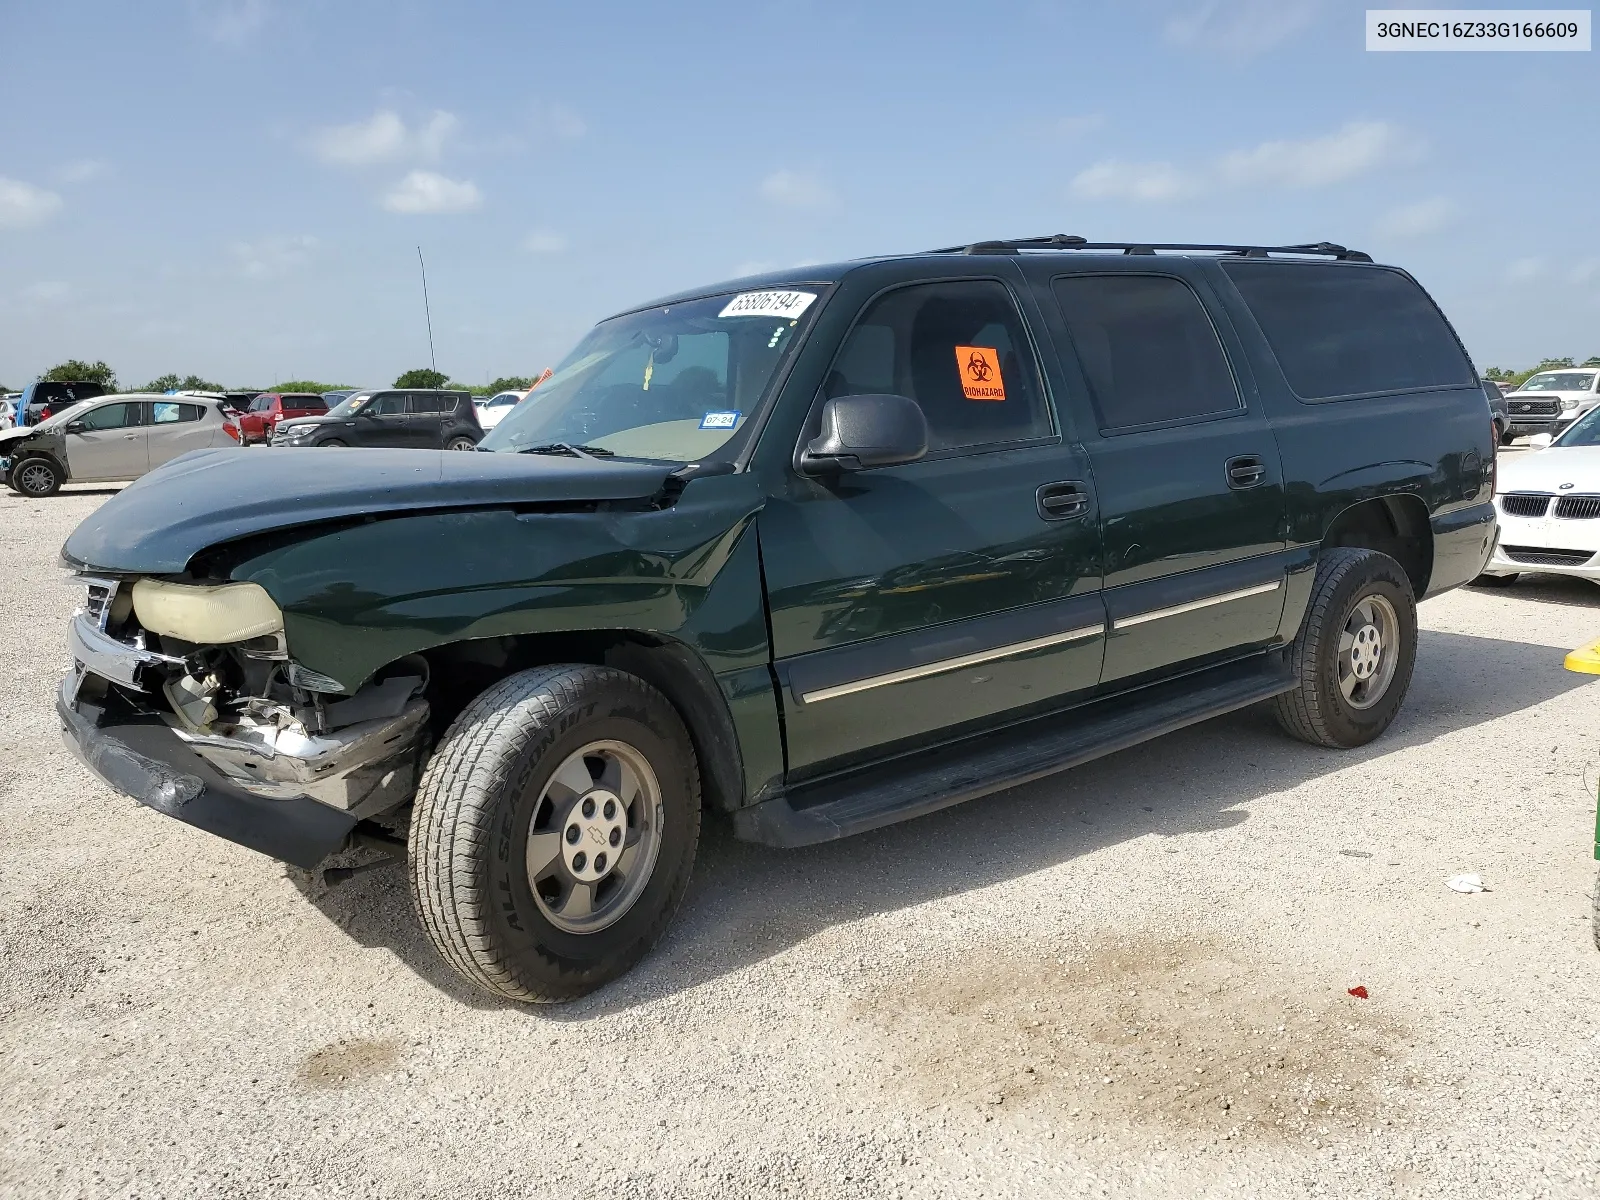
(1342, 331)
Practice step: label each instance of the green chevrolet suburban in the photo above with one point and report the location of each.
(815, 551)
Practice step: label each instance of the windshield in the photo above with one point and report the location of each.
(672, 384)
(1560, 381)
(1585, 431)
(350, 405)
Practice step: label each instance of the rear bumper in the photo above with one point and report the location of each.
(141, 757)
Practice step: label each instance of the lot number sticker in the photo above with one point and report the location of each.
(980, 373)
(768, 304)
(719, 420)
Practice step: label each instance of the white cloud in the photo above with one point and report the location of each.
(1584, 270)
(384, 138)
(1417, 220)
(1240, 28)
(542, 241)
(81, 171)
(797, 189)
(423, 192)
(1150, 182)
(1071, 127)
(22, 204)
(49, 291)
(1525, 268)
(564, 123)
(1355, 149)
(230, 21)
(273, 257)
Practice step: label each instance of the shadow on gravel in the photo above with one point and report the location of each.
(748, 902)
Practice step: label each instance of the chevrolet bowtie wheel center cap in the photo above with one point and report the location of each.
(592, 840)
(1366, 652)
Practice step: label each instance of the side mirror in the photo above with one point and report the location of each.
(74, 427)
(1539, 441)
(866, 431)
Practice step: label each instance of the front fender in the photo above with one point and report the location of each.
(358, 597)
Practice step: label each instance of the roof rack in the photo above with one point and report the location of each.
(1070, 241)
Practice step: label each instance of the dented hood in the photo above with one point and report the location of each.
(156, 525)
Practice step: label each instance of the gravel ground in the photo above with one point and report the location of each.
(1127, 980)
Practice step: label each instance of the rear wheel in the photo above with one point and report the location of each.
(1355, 652)
(333, 442)
(36, 476)
(461, 443)
(554, 831)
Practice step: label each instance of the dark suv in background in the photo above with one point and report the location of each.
(417, 420)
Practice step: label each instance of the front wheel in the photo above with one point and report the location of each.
(554, 831)
(1353, 658)
(37, 477)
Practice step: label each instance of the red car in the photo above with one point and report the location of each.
(267, 409)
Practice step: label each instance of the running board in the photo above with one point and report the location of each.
(914, 785)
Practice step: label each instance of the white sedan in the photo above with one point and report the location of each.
(497, 406)
(1548, 503)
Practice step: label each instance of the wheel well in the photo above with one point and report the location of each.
(1394, 525)
(462, 670)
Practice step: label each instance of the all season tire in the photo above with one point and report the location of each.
(515, 815)
(1355, 652)
(36, 476)
(461, 443)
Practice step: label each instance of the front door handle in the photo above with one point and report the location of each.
(1246, 471)
(1061, 501)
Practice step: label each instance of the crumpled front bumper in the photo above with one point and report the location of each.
(140, 756)
(293, 797)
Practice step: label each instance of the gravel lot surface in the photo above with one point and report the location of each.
(1127, 980)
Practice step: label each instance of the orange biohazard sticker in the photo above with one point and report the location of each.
(980, 373)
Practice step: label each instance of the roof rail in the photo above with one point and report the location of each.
(1069, 241)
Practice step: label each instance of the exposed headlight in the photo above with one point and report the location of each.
(1569, 402)
(207, 615)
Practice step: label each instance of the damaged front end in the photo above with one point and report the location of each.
(227, 732)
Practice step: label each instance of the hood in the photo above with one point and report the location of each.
(1546, 470)
(156, 525)
(8, 436)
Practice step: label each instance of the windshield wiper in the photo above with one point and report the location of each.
(569, 448)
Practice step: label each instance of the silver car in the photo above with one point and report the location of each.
(110, 439)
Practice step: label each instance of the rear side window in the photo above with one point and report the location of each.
(166, 412)
(1350, 331)
(1148, 349)
(429, 402)
(960, 351)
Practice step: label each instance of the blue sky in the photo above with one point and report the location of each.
(237, 187)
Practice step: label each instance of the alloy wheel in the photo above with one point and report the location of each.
(1368, 651)
(594, 837)
(35, 478)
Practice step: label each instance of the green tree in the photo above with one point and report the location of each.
(422, 378)
(1545, 364)
(510, 383)
(193, 383)
(161, 383)
(1498, 374)
(76, 371)
(308, 385)
(1592, 361)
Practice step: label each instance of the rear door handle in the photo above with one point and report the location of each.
(1246, 471)
(1061, 501)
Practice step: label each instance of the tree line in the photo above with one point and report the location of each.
(76, 370)
(1517, 378)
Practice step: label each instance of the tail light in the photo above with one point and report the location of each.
(44, 414)
(232, 430)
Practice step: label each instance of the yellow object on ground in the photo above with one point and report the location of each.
(1585, 659)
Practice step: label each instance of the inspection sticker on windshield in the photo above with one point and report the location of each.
(980, 373)
(720, 420)
(768, 304)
